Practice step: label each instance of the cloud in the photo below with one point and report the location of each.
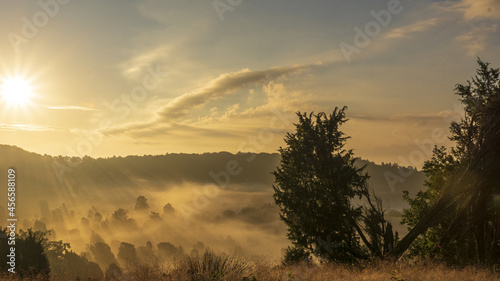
(445, 116)
(155, 129)
(412, 28)
(169, 119)
(135, 66)
(480, 9)
(476, 39)
(71, 107)
(279, 98)
(223, 85)
(24, 127)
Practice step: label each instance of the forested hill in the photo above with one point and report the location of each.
(44, 176)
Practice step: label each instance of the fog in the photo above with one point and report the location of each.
(156, 209)
(235, 219)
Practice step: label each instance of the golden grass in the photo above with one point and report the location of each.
(262, 271)
(222, 267)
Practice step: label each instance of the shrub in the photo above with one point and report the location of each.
(212, 266)
(295, 254)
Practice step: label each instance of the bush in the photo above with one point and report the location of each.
(212, 266)
(295, 254)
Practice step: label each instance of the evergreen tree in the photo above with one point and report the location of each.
(141, 204)
(315, 186)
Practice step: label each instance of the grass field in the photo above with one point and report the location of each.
(220, 266)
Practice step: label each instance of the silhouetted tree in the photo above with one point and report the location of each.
(95, 238)
(127, 254)
(94, 271)
(459, 211)
(146, 254)
(120, 216)
(56, 251)
(168, 209)
(31, 258)
(154, 216)
(168, 250)
(67, 265)
(113, 273)
(101, 252)
(315, 186)
(84, 221)
(141, 204)
(97, 217)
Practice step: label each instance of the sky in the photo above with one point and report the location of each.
(122, 77)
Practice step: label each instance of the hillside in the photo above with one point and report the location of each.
(56, 178)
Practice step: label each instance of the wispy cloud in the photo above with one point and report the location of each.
(172, 117)
(71, 107)
(476, 39)
(135, 66)
(405, 31)
(410, 118)
(25, 127)
(279, 98)
(224, 84)
(480, 9)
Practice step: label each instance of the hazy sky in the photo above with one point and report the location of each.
(123, 77)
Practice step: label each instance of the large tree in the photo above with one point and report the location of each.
(315, 187)
(460, 211)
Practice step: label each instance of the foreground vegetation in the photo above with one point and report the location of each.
(220, 266)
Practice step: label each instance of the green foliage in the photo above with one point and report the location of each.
(39, 258)
(295, 254)
(314, 188)
(462, 185)
(31, 258)
(438, 171)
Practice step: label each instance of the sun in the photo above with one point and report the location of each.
(16, 91)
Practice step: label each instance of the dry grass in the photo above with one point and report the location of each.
(211, 266)
(262, 271)
(222, 267)
(381, 271)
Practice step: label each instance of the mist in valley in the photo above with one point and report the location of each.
(156, 209)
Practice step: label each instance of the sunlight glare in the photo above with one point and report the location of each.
(16, 91)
